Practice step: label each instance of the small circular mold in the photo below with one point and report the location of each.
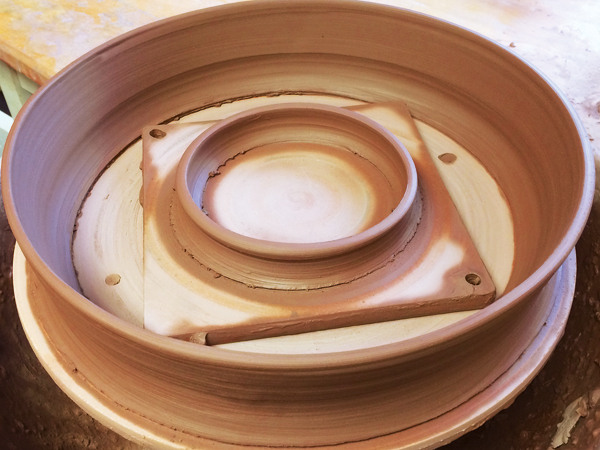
(301, 180)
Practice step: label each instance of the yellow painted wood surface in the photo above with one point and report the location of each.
(39, 38)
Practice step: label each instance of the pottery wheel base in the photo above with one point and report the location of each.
(447, 427)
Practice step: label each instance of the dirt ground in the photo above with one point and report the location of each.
(36, 415)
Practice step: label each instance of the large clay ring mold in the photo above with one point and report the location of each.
(170, 393)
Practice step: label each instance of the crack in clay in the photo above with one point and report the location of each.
(217, 172)
(374, 165)
(270, 94)
(189, 254)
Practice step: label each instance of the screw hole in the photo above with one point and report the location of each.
(473, 278)
(157, 134)
(447, 158)
(113, 279)
(141, 197)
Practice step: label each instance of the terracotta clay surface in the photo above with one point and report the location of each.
(528, 28)
(475, 115)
